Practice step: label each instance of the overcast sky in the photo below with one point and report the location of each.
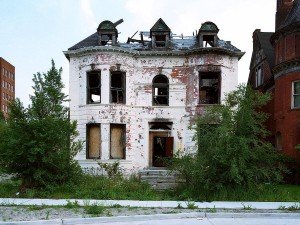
(32, 32)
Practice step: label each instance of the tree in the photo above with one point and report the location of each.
(37, 143)
(232, 149)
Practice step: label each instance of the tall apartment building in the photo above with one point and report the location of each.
(7, 87)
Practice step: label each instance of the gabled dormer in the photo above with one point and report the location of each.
(208, 35)
(108, 33)
(160, 35)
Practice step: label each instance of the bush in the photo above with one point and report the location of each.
(232, 150)
(37, 143)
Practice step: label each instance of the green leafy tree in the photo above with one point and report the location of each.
(37, 143)
(232, 149)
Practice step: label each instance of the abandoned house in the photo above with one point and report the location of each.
(135, 102)
(275, 68)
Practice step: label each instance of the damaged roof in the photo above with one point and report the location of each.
(177, 43)
(265, 43)
(293, 16)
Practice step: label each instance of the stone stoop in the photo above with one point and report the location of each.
(160, 178)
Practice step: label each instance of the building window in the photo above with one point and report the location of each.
(93, 87)
(278, 142)
(160, 90)
(258, 76)
(296, 94)
(117, 141)
(209, 88)
(93, 141)
(117, 87)
(160, 41)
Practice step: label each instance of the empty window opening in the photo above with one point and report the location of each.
(93, 87)
(209, 88)
(93, 141)
(208, 41)
(160, 40)
(258, 76)
(160, 90)
(296, 94)
(117, 88)
(117, 141)
(106, 39)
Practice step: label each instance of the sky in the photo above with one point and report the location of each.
(32, 32)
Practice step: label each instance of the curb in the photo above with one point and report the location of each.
(153, 217)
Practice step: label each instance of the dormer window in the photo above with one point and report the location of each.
(207, 36)
(108, 32)
(160, 35)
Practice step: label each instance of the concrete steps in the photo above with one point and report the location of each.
(160, 178)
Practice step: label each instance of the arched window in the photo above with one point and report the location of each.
(160, 90)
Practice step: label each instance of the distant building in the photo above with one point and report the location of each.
(275, 68)
(7, 87)
(136, 102)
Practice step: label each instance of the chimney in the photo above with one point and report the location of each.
(283, 8)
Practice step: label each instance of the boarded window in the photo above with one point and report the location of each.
(160, 90)
(93, 141)
(117, 141)
(93, 87)
(209, 88)
(117, 87)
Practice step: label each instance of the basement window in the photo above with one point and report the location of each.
(117, 87)
(93, 141)
(93, 87)
(160, 91)
(117, 141)
(209, 88)
(296, 94)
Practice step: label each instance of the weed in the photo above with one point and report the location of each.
(47, 215)
(246, 207)
(36, 207)
(211, 210)
(179, 206)
(116, 206)
(294, 207)
(191, 205)
(94, 209)
(72, 205)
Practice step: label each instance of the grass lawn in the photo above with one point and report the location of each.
(90, 187)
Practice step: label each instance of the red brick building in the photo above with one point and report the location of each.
(275, 68)
(7, 87)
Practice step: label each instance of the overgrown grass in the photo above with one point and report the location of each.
(90, 187)
(265, 192)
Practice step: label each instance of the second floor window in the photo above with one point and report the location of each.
(296, 94)
(209, 88)
(93, 87)
(160, 90)
(117, 87)
(258, 76)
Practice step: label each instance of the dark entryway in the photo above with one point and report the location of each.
(162, 150)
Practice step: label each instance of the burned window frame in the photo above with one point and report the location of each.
(160, 85)
(118, 89)
(88, 127)
(217, 76)
(88, 88)
(123, 127)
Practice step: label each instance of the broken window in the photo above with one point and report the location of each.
(93, 87)
(296, 94)
(258, 76)
(117, 87)
(209, 88)
(160, 90)
(160, 40)
(208, 41)
(93, 141)
(117, 141)
(106, 39)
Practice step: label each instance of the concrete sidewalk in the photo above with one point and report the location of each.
(150, 204)
(181, 218)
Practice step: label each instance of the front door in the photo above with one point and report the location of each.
(162, 150)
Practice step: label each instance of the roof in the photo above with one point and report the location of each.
(209, 26)
(293, 16)
(160, 25)
(265, 44)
